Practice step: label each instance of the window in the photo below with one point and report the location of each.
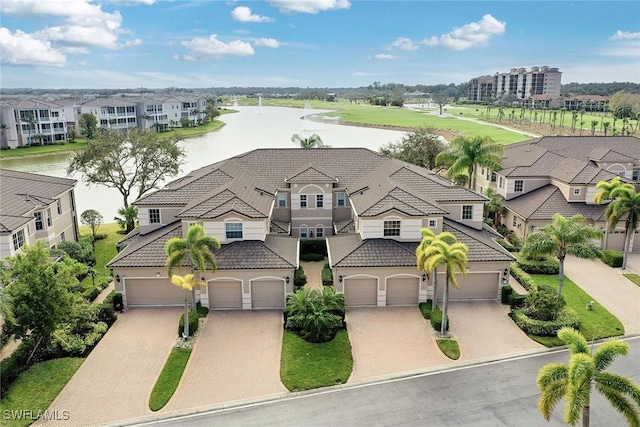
(282, 200)
(303, 232)
(319, 232)
(391, 228)
(48, 217)
(154, 216)
(62, 237)
(39, 223)
(59, 206)
(501, 183)
(577, 191)
(303, 200)
(636, 175)
(432, 223)
(482, 173)
(515, 221)
(18, 239)
(467, 212)
(233, 230)
(319, 200)
(493, 177)
(518, 185)
(621, 173)
(341, 199)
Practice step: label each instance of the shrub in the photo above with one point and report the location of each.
(311, 257)
(508, 246)
(101, 236)
(515, 241)
(327, 277)
(543, 303)
(426, 308)
(193, 323)
(81, 251)
(315, 315)
(313, 247)
(436, 320)
(612, 258)
(91, 294)
(523, 278)
(566, 318)
(545, 266)
(502, 229)
(106, 313)
(118, 303)
(516, 300)
(505, 293)
(13, 365)
(202, 310)
(299, 278)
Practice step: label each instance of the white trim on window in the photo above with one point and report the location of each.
(467, 212)
(391, 228)
(233, 230)
(154, 216)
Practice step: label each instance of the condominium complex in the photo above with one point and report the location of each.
(518, 81)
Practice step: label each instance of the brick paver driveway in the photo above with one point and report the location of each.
(390, 340)
(236, 357)
(483, 330)
(115, 381)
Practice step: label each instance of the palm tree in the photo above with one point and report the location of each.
(313, 141)
(594, 123)
(585, 369)
(454, 257)
(464, 155)
(625, 204)
(316, 315)
(428, 237)
(494, 206)
(606, 126)
(127, 218)
(197, 249)
(188, 284)
(31, 121)
(563, 236)
(606, 187)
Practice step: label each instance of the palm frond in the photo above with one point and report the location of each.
(606, 353)
(574, 340)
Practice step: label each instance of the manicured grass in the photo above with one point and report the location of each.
(79, 144)
(306, 365)
(105, 249)
(169, 378)
(633, 277)
(35, 389)
(594, 324)
(450, 348)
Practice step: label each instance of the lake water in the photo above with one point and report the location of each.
(250, 128)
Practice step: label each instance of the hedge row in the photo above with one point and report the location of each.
(548, 266)
(567, 318)
(193, 323)
(508, 246)
(434, 316)
(523, 278)
(612, 258)
(327, 278)
(313, 247)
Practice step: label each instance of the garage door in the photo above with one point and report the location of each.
(153, 292)
(474, 286)
(403, 291)
(225, 295)
(267, 294)
(360, 292)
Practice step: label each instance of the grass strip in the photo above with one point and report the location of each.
(450, 348)
(306, 365)
(633, 277)
(34, 390)
(169, 378)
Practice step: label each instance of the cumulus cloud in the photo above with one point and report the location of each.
(403, 43)
(212, 48)
(263, 42)
(470, 35)
(625, 35)
(309, 6)
(384, 56)
(243, 14)
(20, 48)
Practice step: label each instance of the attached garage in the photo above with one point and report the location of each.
(156, 291)
(403, 291)
(474, 286)
(361, 292)
(225, 294)
(267, 294)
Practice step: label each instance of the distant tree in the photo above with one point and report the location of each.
(441, 99)
(313, 141)
(92, 219)
(594, 124)
(3, 140)
(420, 147)
(88, 124)
(606, 126)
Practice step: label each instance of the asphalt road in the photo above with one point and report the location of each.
(500, 393)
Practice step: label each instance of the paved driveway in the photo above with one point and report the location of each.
(115, 381)
(390, 340)
(607, 286)
(236, 357)
(633, 263)
(484, 330)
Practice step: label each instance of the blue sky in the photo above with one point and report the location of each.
(315, 43)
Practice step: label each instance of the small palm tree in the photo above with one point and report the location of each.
(586, 369)
(465, 154)
(315, 315)
(127, 218)
(625, 204)
(188, 284)
(313, 141)
(606, 187)
(428, 237)
(495, 204)
(563, 236)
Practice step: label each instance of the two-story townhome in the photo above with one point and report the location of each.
(552, 175)
(35, 208)
(368, 207)
(32, 121)
(112, 113)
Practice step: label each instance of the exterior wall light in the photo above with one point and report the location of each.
(340, 278)
(287, 280)
(118, 278)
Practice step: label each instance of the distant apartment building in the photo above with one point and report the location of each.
(31, 121)
(112, 113)
(481, 88)
(520, 82)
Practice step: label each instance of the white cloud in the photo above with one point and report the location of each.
(132, 2)
(175, 57)
(403, 43)
(272, 43)
(625, 35)
(309, 6)
(470, 35)
(212, 48)
(243, 14)
(20, 48)
(384, 56)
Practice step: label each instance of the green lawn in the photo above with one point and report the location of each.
(450, 348)
(633, 277)
(79, 144)
(105, 249)
(594, 324)
(306, 365)
(169, 378)
(35, 389)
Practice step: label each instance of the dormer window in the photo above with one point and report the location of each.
(341, 199)
(233, 230)
(38, 219)
(391, 228)
(467, 212)
(518, 185)
(154, 216)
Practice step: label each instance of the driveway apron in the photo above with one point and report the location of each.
(116, 379)
(483, 329)
(390, 340)
(236, 357)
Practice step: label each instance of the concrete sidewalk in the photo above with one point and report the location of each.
(313, 271)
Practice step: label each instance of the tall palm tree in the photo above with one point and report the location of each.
(428, 237)
(188, 284)
(585, 369)
(606, 187)
(454, 258)
(594, 123)
(606, 126)
(464, 155)
(196, 250)
(625, 204)
(313, 141)
(31, 121)
(562, 237)
(127, 218)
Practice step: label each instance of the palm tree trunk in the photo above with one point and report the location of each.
(560, 275)
(628, 243)
(434, 303)
(585, 415)
(185, 334)
(445, 306)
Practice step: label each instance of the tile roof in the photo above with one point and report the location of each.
(148, 249)
(182, 191)
(310, 174)
(399, 200)
(544, 202)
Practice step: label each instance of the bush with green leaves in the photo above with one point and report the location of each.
(313, 247)
(516, 300)
(81, 251)
(311, 257)
(566, 318)
(514, 240)
(23, 357)
(612, 258)
(547, 265)
(433, 315)
(505, 293)
(299, 278)
(194, 319)
(315, 315)
(508, 246)
(327, 277)
(81, 332)
(521, 277)
(118, 302)
(543, 303)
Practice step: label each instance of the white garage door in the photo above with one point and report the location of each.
(360, 292)
(153, 292)
(403, 291)
(474, 286)
(225, 295)
(267, 294)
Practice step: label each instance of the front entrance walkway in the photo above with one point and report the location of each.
(313, 271)
(390, 340)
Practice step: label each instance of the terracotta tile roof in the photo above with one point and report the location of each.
(544, 202)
